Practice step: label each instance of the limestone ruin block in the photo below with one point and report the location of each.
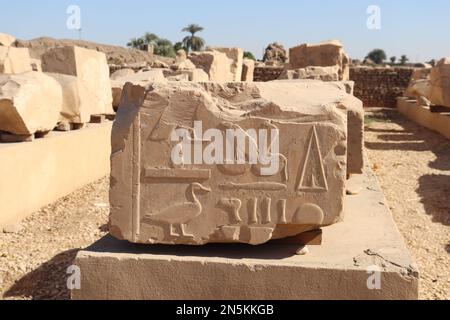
(79, 103)
(355, 117)
(440, 83)
(248, 70)
(237, 56)
(14, 60)
(216, 64)
(419, 88)
(89, 66)
(143, 79)
(325, 54)
(122, 73)
(275, 54)
(312, 73)
(30, 102)
(6, 40)
(171, 193)
(195, 75)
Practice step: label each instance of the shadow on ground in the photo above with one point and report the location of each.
(434, 189)
(47, 282)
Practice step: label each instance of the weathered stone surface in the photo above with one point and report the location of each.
(355, 115)
(312, 73)
(216, 64)
(440, 83)
(141, 78)
(79, 103)
(419, 88)
(122, 73)
(89, 66)
(195, 75)
(248, 70)
(14, 60)
(156, 199)
(29, 102)
(183, 65)
(237, 55)
(422, 73)
(276, 54)
(325, 54)
(6, 40)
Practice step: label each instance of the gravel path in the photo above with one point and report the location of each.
(413, 167)
(412, 164)
(33, 262)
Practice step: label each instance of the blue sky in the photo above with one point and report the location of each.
(419, 29)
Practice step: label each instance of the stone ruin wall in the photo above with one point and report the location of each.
(380, 87)
(267, 73)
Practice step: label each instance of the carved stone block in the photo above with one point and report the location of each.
(197, 163)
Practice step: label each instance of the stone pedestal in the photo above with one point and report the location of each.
(338, 269)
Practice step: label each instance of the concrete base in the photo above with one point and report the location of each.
(338, 269)
(34, 174)
(439, 122)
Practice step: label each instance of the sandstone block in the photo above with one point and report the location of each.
(141, 78)
(14, 60)
(248, 70)
(122, 73)
(172, 191)
(325, 54)
(29, 102)
(6, 40)
(237, 56)
(79, 103)
(312, 73)
(440, 83)
(89, 66)
(216, 64)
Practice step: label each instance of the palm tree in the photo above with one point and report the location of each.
(165, 48)
(393, 59)
(193, 42)
(403, 60)
(136, 43)
(150, 38)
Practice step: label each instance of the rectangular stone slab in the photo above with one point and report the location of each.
(156, 200)
(91, 68)
(338, 269)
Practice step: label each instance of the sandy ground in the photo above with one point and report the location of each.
(412, 164)
(413, 167)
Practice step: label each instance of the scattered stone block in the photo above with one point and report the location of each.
(89, 66)
(142, 78)
(14, 60)
(248, 70)
(216, 64)
(312, 73)
(29, 102)
(156, 199)
(122, 73)
(325, 54)
(440, 83)
(6, 40)
(237, 56)
(79, 103)
(13, 228)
